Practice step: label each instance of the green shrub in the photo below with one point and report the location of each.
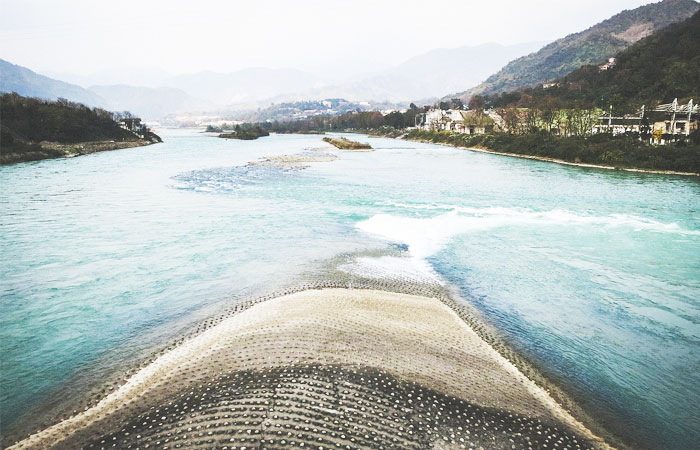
(618, 151)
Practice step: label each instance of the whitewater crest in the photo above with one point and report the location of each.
(396, 268)
(425, 236)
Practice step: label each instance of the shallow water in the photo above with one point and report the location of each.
(594, 275)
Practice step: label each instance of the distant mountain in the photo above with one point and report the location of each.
(656, 69)
(14, 78)
(133, 76)
(149, 103)
(427, 76)
(593, 45)
(442, 71)
(243, 86)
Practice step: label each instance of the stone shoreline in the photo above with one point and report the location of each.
(351, 338)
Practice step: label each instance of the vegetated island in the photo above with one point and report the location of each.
(346, 144)
(32, 129)
(246, 133)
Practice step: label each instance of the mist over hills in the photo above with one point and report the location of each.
(150, 103)
(424, 77)
(132, 76)
(14, 78)
(445, 69)
(243, 86)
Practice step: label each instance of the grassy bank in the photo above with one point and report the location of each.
(615, 151)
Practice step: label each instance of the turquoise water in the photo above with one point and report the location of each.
(593, 275)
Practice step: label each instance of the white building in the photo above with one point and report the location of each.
(459, 121)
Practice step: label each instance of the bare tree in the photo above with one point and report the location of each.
(532, 119)
(511, 119)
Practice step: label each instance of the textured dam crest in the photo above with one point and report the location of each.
(331, 368)
(328, 407)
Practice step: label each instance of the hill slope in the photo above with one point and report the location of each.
(442, 71)
(593, 45)
(656, 69)
(33, 129)
(14, 78)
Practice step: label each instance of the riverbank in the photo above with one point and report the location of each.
(626, 154)
(49, 150)
(345, 362)
(559, 161)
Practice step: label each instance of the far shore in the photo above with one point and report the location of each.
(558, 161)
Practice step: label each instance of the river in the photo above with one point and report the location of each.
(592, 275)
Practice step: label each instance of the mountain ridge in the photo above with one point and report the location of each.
(26, 82)
(428, 75)
(425, 76)
(590, 46)
(656, 69)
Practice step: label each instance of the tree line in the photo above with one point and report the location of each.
(352, 121)
(34, 120)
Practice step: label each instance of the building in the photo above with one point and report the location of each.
(665, 122)
(134, 125)
(627, 123)
(477, 122)
(458, 121)
(441, 120)
(675, 119)
(131, 124)
(608, 65)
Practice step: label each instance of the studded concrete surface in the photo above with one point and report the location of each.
(330, 368)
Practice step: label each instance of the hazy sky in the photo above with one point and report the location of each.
(87, 36)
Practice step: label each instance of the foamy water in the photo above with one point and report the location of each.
(408, 268)
(425, 236)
